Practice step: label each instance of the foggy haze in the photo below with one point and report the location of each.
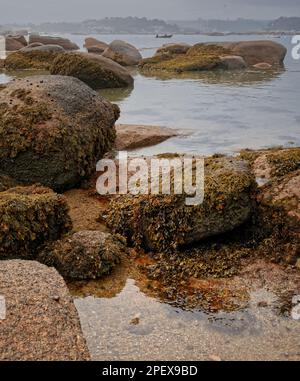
(36, 11)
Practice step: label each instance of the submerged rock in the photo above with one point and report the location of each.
(83, 255)
(41, 321)
(123, 53)
(54, 129)
(97, 71)
(165, 222)
(29, 217)
(48, 40)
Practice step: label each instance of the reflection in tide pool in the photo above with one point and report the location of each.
(133, 326)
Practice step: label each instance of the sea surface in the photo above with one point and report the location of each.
(216, 112)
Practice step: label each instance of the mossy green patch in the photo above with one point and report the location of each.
(38, 60)
(199, 57)
(87, 70)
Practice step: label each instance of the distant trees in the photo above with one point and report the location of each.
(285, 24)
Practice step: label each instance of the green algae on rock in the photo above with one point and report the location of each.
(38, 60)
(96, 71)
(29, 217)
(197, 58)
(164, 223)
(53, 130)
(84, 255)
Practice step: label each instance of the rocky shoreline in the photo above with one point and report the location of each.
(54, 129)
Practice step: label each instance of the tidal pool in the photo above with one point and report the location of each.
(134, 326)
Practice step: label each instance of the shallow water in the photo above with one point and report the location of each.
(216, 112)
(133, 326)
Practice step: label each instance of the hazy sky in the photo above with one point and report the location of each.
(77, 10)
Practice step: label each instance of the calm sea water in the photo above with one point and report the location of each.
(216, 112)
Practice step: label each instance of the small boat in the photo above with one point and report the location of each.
(164, 35)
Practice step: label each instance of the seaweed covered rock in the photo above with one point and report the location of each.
(165, 222)
(83, 255)
(174, 48)
(273, 163)
(123, 53)
(197, 58)
(282, 195)
(278, 173)
(97, 71)
(7, 182)
(41, 322)
(48, 40)
(53, 131)
(95, 46)
(29, 217)
(31, 58)
(284, 192)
